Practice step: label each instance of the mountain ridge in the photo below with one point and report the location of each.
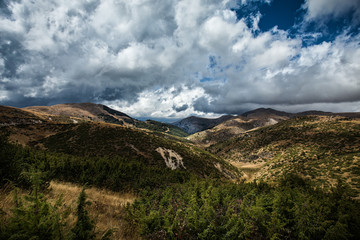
(264, 116)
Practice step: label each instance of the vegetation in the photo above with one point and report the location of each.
(214, 210)
(135, 146)
(34, 217)
(115, 173)
(320, 148)
(197, 202)
(162, 127)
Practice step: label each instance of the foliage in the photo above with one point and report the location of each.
(33, 216)
(115, 173)
(320, 148)
(84, 228)
(213, 210)
(89, 140)
(162, 127)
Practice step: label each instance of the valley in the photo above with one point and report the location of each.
(251, 173)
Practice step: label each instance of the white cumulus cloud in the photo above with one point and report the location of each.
(171, 58)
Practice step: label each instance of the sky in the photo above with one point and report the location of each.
(176, 58)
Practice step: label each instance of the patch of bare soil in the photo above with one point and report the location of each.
(250, 170)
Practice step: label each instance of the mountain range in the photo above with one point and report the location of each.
(260, 165)
(88, 129)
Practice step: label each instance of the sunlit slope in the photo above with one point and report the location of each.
(321, 148)
(233, 127)
(91, 112)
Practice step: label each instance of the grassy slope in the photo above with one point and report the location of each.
(320, 148)
(106, 207)
(89, 139)
(102, 139)
(90, 112)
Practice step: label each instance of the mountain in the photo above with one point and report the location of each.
(85, 112)
(262, 116)
(13, 116)
(239, 124)
(233, 127)
(250, 121)
(82, 112)
(100, 139)
(319, 148)
(196, 124)
(261, 112)
(162, 127)
(307, 169)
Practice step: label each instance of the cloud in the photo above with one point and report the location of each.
(323, 73)
(181, 108)
(318, 9)
(170, 58)
(171, 102)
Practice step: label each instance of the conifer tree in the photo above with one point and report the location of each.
(85, 227)
(33, 217)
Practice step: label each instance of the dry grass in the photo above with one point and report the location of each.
(6, 199)
(250, 170)
(106, 206)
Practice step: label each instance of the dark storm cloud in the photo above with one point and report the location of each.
(181, 108)
(173, 58)
(12, 53)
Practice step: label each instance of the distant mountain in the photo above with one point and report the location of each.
(245, 122)
(265, 112)
(82, 112)
(162, 127)
(196, 124)
(238, 125)
(313, 112)
(91, 112)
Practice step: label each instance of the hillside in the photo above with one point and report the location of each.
(175, 190)
(91, 112)
(13, 116)
(320, 148)
(75, 112)
(196, 124)
(97, 139)
(233, 127)
(250, 121)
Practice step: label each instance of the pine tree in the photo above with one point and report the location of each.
(33, 217)
(85, 227)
